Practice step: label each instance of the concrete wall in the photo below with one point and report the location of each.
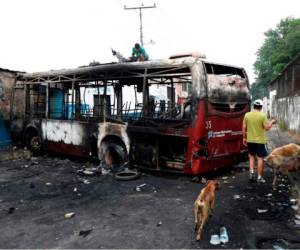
(287, 111)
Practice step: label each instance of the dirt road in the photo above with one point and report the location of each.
(35, 195)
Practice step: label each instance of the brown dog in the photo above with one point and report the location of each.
(284, 159)
(205, 204)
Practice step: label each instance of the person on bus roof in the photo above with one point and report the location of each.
(255, 124)
(139, 53)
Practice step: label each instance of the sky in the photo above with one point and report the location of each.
(40, 35)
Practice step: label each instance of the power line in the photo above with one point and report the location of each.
(141, 17)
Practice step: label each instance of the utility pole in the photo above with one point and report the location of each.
(141, 18)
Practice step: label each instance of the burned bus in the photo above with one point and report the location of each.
(181, 114)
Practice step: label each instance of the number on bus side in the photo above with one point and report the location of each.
(208, 124)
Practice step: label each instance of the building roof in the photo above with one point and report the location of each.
(285, 68)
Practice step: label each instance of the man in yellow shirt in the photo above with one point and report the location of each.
(255, 124)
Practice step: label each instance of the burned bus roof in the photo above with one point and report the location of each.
(91, 71)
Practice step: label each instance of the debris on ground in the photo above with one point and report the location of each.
(159, 223)
(236, 197)
(297, 222)
(138, 188)
(261, 211)
(85, 233)
(215, 239)
(48, 184)
(276, 247)
(195, 179)
(86, 181)
(69, 215)
(89, 171)
(224, 238)
(11, 210)
(127, 175)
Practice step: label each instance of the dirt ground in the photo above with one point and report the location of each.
(36, 193)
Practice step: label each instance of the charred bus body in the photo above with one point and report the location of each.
(181, 114)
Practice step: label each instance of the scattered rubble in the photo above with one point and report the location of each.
(138, 188)
(85, 233)
(69, 215)
(261, 211)
(11, 210)
(159, 223)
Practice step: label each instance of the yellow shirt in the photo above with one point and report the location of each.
(255, 121)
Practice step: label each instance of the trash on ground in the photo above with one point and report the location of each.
(223, 235)
(69, 215)
(276, 247)
(116, 215)
(88, 171)
(295, 207)
(75, 189)
(26, 166)
(48, 184)
(215, 239)
(127, 174)
(225, 181)
(224, 178)
(269, 195)
(293, 201)
(138, 188)
(203, 180)
(86, 181)
(11, 210)
(297, 222)
(261, 211)
(195, 179)
(85, 233)
(297, 216)
(236, 197)
(159, 224)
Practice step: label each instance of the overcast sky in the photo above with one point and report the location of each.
(39, 35)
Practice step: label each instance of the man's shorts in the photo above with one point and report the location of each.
(257, 149)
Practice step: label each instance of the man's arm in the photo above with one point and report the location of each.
(269, 124)
(244, 129)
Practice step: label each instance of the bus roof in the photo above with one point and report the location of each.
(161, 63)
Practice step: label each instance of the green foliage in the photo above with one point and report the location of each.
(279, 48)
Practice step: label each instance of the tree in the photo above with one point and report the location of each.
(279, 48)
